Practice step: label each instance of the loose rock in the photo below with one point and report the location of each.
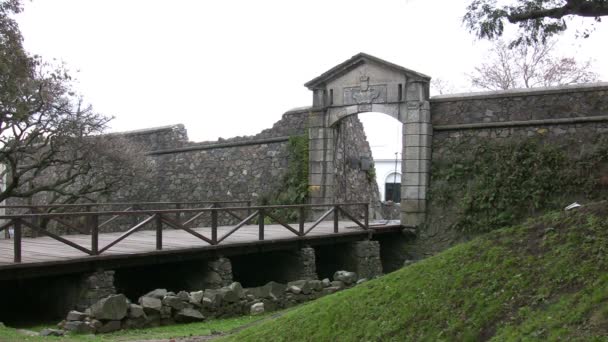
(79, 327)
(174, 302)
(76, 316)
(111, 308)
(136, 311)
(158, 294)
(150, 304)
(109, 327)
(347, 277)
(52, 332)
(257, 309)
(189, 315)
(196, 297)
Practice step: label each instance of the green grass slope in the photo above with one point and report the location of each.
(543, 280)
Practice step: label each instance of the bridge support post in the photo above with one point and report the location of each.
(212, 274)
(95, 286)
(307, 264)
(364, 259)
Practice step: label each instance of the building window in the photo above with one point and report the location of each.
(331, 97)
(400, 92)
(392, 187)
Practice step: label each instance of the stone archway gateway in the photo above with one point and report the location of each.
(365, 83)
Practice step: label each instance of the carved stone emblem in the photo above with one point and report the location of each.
(365, 93)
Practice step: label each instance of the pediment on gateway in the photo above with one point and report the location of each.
(364, 80)
(360, 64)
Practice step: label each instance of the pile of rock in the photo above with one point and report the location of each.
(161, 307)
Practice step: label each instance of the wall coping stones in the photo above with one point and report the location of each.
(220, 145)
(298, 110)
(503, 124)
(148, 130)
(572, 88)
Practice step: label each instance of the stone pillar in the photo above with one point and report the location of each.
(364, 259)
(217, 274)
(307, 268)
(417, 140)
(95, 286)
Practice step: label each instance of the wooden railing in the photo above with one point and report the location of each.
(120, 206)
(160, 218)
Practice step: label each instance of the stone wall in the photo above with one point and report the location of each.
(573, 118)
(352, 182)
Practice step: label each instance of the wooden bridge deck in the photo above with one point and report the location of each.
(45, 251)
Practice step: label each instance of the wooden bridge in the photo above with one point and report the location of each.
(158, 232)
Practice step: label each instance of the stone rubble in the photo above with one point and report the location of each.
(161, 307)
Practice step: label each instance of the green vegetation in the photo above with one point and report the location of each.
(166, 332)
(295, 181)
(371, 173)
(543, 280)
(495, 185)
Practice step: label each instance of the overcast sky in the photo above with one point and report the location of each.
(229, 68)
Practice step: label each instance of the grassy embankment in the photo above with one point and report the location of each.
(546, 279)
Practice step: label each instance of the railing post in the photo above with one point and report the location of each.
(94, 224)
(134, 217)
(214, 226)
(366, 216)
(336, 212)
(88, 222)
(302, 219)
(178, 206)
(17, 240)
(159, 232)
(261, 223)
(248, 208)
(36, 221)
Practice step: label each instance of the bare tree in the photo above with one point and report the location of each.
(441, 86)
(49, 139)
(529, 66)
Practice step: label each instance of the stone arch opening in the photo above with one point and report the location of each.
(368, 84)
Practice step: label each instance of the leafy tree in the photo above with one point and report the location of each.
(537, 19)
(528, 66)
(49, 139)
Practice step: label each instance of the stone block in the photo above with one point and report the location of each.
(415, 178)
(316, 119)
(413, 206)
(418, 152)
(316, 155)
(417, 140)
(416, 165)
(410, 192)
(316, 178)
(317, 144)
(316, 133)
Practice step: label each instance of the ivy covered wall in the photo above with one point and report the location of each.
(501, 157)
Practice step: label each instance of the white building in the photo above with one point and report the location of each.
(384, 136)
